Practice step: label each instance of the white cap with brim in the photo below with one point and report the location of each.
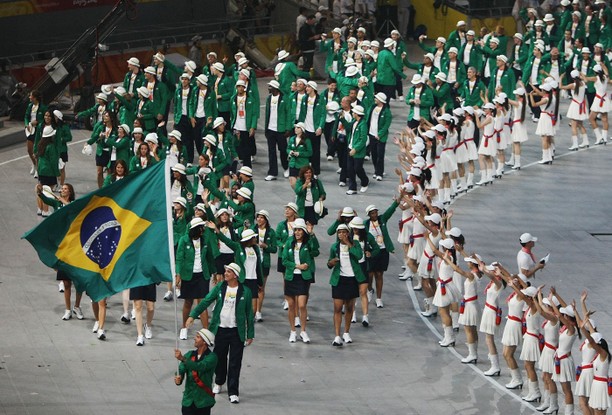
(150, 70)
(144, 91)
(530, 291)
(299, 223)
(357, 223)
(447, 243)
(48, 131)
(416, 79)
(207, 336)
(203, 79)
(247, 235)
(246, 170)
(235, 268)
(454, 231)
(210, 139)
(218, 121)
(435, 218)
(568, 311)
(244, 192)
(342, 227)
(264, 213)
(274, 84)
(358, 109)
(283, 54)
(179, 167)
(133, 61)
(382, 97)
(58, 114)
(218, 66)
(351, 71)
(370, 208)
(292, 206)
(176, 134)
(527, 237)
(125, 128)
(195, 222)
(102, 96)
(347, 212)
(181, 201)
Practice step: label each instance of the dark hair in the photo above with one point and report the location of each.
(459, 239)
(331, 81)
(361, 234)
(36, 94)
(125, 167)
(573, 320)
(524, 106)
(196, 232)
(305, 239)
(44, 141)
(453, 254)
(303, 171)
(604, 345)
(71, 195)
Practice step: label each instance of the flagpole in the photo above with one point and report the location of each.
(169, 206)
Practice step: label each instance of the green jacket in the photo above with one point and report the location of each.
(460, 70)
(205, 368)
(48, 162)
(126, 110)
(224, 92)
(427, 101)
(529, 67)
(475, 58)
(87, 113)
(122, 146)
(442, 95)
(240, 258)
(185, 257)
(40, 114)
(519, 59)
(244, 310)
(367, 97)
(454, 40)
(345, 83)
(282, 234)
(289, 74)
(508, 83)
(284, 117)
(308, 253)
(382, 221)
(384, 122)
(579, 33)
(251, 108)
(147, 112)
(304, 150)
(433, 51)
(564, 17)
(135, 165)
(242, 213)
(170, 76)
(356, 139)
(271, 248)
(62, 137)
(210, 104)
(101, 142)
(472, 98)
(162, 96)
(178, 103)
(318, 112)
(388, 67)
(317, 190)
(355, 254)
(138, 82)
(490, 55)
(556, 33)
(419, 68)
(332, 55)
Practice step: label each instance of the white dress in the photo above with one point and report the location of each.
(601, 103)
(434, 183)
(405, 227)
(489, 312)
(448, 162)
(583, 385)
(498, 131)
(417, 241)
(578, 108)
(461, 150)
(545, 124)
(513, 329)
(470, 314)
(446, 292)
(599, 389)
(567, 370)
(519, 130)
(467, 131)
(427, 264)
(488, 142)
(531, 340)
(551, 342)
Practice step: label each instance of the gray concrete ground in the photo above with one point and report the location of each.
(50, 366)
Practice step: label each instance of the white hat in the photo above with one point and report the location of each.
(502, 58)
(332, 106)
(365, 42)
(292, 206)
(181, 201)
(342, 227)
(151, 138)
(349, 62)
(440, 128)
(530, 291)
(441, 76)
(375, 44)
(239, 55)
(302, 81)
(282, 54)
(518, 36)
(447, 243)
(176, 134)
(408, 187)
(454, 231)
(195, 222)
(48, 131)
(274, 84)
(363, 79)
(395, 32)
(212, 54)
(125, 128)
(218, 66)
(459, 112)
(244, 192)
(58, 114)
(435, 218)
(201, 206)
(264, 213)
(144, 91)
(388, 43)
(539, 23)
(527, 237)
(357, 223)
(133, 61)
(351, 40)
(299, 223)
(203, 79)
(416, 79)
(460, 23)
(242, 61)
(235, 268)
(469, 110)
(565, 3)
(519, 91)
(240, 82)
(470, 33)
(597, 337)
(351, 71)
(245, 72)
(337, 30)
(430, 56)
(453, 49)
(438, 204)
(246, 170)
(207, 336)
(370, 53)
(102, 96)
(445, 117)
(568, 310)
(46, 190)
(221, 212)
(312, 84)
(546, 87)
(370, 208)
(494, 40)
(191, 65)
(218, 121)
(179, 167)
(137, 130)
(585, 50)
(415, 172)
(347, 212)
(358, 109)
(382, 97)
(318, 207)
(361, 29)
(418, 198)
(576, 13)
(549, 18)
(574, 74)
(596, 68)
(441, 39)
(211, 139)
(488, 106)
(120, 91)
(301, 126)
(150, 70)
(430, 134)
(107, 89)
(247, 235)
(599, 45)
(159, 56)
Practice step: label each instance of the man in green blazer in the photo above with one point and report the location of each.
(420, 99)
(502, 76)
(387, 68)
(244, 115)
(134, 78)
(183, 95)
(519, 55)
(357, 137)
(378, 123)
(232, 322)
(278, 125)
(161, 97)
(202, 109)
(286, 72)
(472, 89)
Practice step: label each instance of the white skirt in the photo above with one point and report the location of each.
(423, 265)
(573, 112)
(472, 150)
(461, 154)
(490, 149)
(567, 372)
(447, 162)
(416, 250)
(451, 296)
(531, 348)
(434, 183)
(504, 137)
(513, 333)
(519, 133)
(469, 317)
(598, 106)
(545, 125)
(403, 237)
(583, 386)
(547, 360)
(487, 322)
(599, 395)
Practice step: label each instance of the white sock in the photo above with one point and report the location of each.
(470, 179)
(517, 160)
(574, 141)
(604, 135)
(585, 139)
(597, 132)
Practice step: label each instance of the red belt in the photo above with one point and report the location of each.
(431, 165)
(582, 106)
(443, 284)
(532, 334)
(552, 116)
(589, 366)
(565, 356)
(601, 99)
(403, 221)
(459, 145)
(515, 318)
(429, 261)
(474, 298)
(492, 307)
(469, 139)
(498, 133)
(486, 137)
(413, 237)
(599, 378)
(550, 346)
(449, 148)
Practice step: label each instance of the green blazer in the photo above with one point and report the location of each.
(382, 221)
(304, 150)
(475, 58)
(442, 94)
(490, 55)
(289, 74)
(384, 122)
(317, 190)
(185, 257)
(508, 83)
(83, 114)
(529, 67)
(162, 96)
(357, 139)
(282, 234)
(178, 103)
(521, 58)
(210, 104)
(48, 162)
(345, 83)
(454, 40)
(138, 82)
(328, 47)
(251, 108)
(148, 113)
(461, 71)
(126, 110)
(355, 254)
(224, 92)
(388, 67)
(579, 32)
(123, 147)
(271, 248)
(427, 101)
(101, 143)
(62, 137)
(367, 100)
(242, 213)
(135, 165)
(240, 257)
(284, 117)
(40, 114)
(419, 68)
(308, 253)
(318, 112)
(472, 98)
(205, 368)
(244, 310)
(433, 50)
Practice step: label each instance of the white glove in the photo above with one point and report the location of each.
(87, 150)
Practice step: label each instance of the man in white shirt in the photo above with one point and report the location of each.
(527, 263)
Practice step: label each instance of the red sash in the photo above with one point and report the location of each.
(198, 381)
(443, 284)
(601, 99)
(581, 106)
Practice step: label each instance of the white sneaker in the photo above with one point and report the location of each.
(406, 275)
(32, 170)
(339, 170)
(330, 158)
(79, 314)
(125, 318)
(304, 337)
(148, 332)
(60, 286)
(379, 178)
(285, 305)
(365, 322)
(177, 293)
(342, 184)
(286, 174)
(379, 303)
(418, 287)
(366, 158)
(95, 327)
(369, 294)
(217, 389)
(101, 335)
(269, 178)
(36, 174)
(363, 189)
(292, 337)
(337, 341)
(347, 338)
(258, 317)
(234, 399)
(183, 334)
(39, 213)
(168, 296)
(45, 214)
(67, 315)
(297, 322)
(351, 192)
(354, 318)
(140, 341)
(133, 315)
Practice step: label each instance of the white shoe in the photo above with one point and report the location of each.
(297, 322)
(168, 296)
(378, 178)
(286, 174)
(351, 192)
(269, 178)
(366, 158)
(183, 334)
(234, 399)
(369, 294)
(133, 314)
(365, 322)
(177, 293)
(36, 174)
(304, 337)
(339, 170)
(253, 159)
(148, 332)
(258, 317)
(38, 212)
(342, 184)
(79, 314)
(60, 286)
(354, 318)
(95, 327)
(347, 338)
(379, 303)
(337, 341)
(285, 305)
(330, 158)
(125, 318)
(292, 337)
(67, 315)
(32, 170)
(101, 335)
(406, 275)
(217, 389)
(363, 189)
(418, 287)
(45, 214)
(140, 341)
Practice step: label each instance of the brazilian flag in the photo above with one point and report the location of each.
(114, 238)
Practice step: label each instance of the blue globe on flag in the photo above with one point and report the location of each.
(100, 235)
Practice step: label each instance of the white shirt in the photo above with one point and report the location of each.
(223, 248)
(452, 72)
(184, 99)
(250, 265)
(346, 270)
(131, 85)
(466, 53)
(298, 107)
(240, 123)
(296, 257)
(228, 311)
(376, 231)
(197, 262)
(535, 68)
(309, 120)
(417, 108)
(200, 112)
(498, 77)
(524, 261)
(273, 121)
(374, 121)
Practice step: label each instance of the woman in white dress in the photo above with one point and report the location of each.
(578, 109)
(601, 104)
(427, 269)
(548, 118)
(488, 144)
(599, 401)
(461, 151)
(468, 129)
(512, 335)
(500, 136)
(519, 131)
(584, 372)
(447, 162)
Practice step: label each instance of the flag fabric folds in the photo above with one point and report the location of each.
(114, 238)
